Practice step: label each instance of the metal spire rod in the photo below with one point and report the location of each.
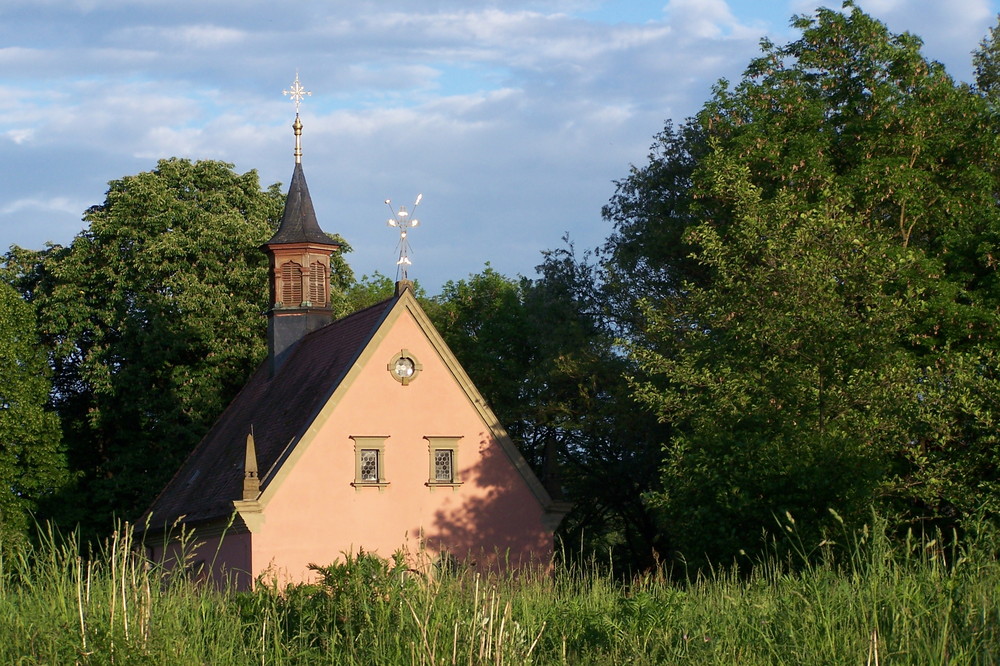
(401, 219)
(297, 93)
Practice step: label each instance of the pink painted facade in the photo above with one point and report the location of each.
(225, 559)
(287, 475)
(312, 507)
(313, 512)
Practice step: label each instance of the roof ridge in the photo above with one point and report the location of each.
(359, 327)
(387, 305)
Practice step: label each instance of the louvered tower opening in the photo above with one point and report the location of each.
(318, 284)
(291, 284)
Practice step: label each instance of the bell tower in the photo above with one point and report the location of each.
(299, 256)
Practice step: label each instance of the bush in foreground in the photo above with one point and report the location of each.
(864, 601)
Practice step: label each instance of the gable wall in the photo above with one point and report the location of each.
(222, 558)
(312, 513)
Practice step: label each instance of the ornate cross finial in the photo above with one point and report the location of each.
(401, 220)
(297, 93)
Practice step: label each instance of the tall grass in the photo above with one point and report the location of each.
(865, 600)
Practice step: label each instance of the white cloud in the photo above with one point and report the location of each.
(16, 55)
(513, 118)
(209, 36)
(703, 19)
(937, 22)
(162, 141)
(42, 204)
(20, 136)
(200, 37)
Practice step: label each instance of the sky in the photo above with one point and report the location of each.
(513, 118)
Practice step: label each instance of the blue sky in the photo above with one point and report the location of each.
(512, 118)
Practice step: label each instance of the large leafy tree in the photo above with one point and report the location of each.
(541, 355)
(784, 368)
(986, 60)
(154, 316)
(647, 254)
(32, 459)
(821, 326)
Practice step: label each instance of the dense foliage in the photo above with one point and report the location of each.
(32, 459)
(154, 319)
(818, 298)
(543, 357)
(986, 60)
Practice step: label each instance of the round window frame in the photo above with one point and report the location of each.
(391, 367)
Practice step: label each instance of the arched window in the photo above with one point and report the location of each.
(291, 284)
(318, 284)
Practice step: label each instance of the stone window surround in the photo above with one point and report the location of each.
(435, 444)
(391, 366)
(369, 443)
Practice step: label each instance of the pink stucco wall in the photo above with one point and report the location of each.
(313, 514)
(224, 560)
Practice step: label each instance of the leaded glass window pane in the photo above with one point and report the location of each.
(443, 467)
(369, 465)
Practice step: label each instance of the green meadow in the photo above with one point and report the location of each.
(862, 599)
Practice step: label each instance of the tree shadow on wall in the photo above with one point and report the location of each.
(495, 521)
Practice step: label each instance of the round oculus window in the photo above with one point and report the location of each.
(404, 367)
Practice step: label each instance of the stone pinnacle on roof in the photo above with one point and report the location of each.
(251, 478)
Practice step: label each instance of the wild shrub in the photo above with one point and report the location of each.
(349, 602)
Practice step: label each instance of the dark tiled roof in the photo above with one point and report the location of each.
(278, 408)
(298, 223)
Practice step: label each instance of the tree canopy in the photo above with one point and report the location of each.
(818, 291)
(32, 459)
(986, 60)
(540, 352)
(154, 316)
(796, 314)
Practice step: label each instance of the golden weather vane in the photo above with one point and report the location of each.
(297, 93)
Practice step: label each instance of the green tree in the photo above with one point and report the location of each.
(828, 309)
(986, 60)
(784, 369)
(32, 459)
(646, 254)
(368, 290)
(154, 315)
(609, 452)
(371, 289)
(539, 352)
(483, 320)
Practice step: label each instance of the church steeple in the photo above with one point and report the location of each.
(299, 254)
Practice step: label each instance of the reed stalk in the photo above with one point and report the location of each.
(860, 598)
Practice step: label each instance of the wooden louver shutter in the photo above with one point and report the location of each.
(317, 284)
(291, 283)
